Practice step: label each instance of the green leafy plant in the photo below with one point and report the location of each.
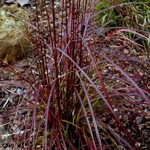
(134, 15)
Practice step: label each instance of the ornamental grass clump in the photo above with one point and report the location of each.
(87, 87)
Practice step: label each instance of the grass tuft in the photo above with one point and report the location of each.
(88, 83)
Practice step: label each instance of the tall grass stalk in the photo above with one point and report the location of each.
(86, 86)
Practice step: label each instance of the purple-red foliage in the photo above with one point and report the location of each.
(84, 89)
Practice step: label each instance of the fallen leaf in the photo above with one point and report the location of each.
(10, 1)
(22, 2)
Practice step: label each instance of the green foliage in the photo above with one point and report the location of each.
(131, 15)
